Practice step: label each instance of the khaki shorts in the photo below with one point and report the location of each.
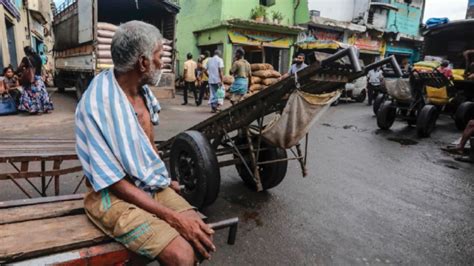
(138, 230)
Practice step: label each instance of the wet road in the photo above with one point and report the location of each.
(370, 197)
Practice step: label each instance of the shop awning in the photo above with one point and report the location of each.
(259, 38)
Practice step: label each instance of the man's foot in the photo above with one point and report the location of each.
(213, 110)
(184, 103)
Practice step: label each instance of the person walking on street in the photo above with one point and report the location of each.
(215, 71)
(189, 74)
(375, 79)
(204, 76)
(243, 76)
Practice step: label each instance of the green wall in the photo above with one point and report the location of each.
(200, 14)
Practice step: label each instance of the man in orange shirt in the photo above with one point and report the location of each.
(189, 74)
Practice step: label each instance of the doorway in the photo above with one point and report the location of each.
(11, 43)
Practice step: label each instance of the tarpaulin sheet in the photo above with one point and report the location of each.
(399, 89)
(301, 112)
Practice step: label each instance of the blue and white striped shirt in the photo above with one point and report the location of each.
(111, 143)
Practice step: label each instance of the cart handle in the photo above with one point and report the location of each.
(350, 52)
(388, 60)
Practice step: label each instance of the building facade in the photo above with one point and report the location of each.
(378, 28)
(24, 23)
(207, 25)
(470, 9)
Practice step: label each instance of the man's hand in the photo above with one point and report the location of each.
(174, 185)
(195, 231)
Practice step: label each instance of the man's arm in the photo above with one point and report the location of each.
(221, 74)
(192, 229)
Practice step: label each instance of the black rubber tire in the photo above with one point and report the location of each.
(271, 174)
(386, 115)
(336, 102)
(378, 102)
(464, 113)
(191, 154)
(361, 97)
(426, 120)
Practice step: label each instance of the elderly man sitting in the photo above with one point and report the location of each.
(131, 197)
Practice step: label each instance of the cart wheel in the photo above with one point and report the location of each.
(193, 163)
(361, 97)
(271, 174)
(378, 102)
(386, 115)
(426, 121)
(464, 113)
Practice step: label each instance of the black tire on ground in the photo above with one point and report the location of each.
(271, 174)
(426, 120)
(378, 102)
(361, 97)
(386, 115)
(464, 113)
(193, 163)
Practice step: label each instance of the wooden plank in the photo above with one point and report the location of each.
(41, 211)
(36, 201)
(22, 157)
(40, 174)
(47, 236)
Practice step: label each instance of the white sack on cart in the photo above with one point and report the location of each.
(399, 89)
(301, 112)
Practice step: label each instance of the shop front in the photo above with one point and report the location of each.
(262, 42)
(402, 53)
(371, 48)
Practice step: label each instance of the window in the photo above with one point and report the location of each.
(267, 2)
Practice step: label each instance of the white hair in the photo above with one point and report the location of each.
(131, 41)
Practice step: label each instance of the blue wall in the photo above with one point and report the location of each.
(406, 20)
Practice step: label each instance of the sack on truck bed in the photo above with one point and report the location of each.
(103, 47)
(399, 89)
(255, 87)
(105, 33)
(101, 40)
(266, 74)
(104, 54)
(106, 26)
(167, 48)
(166, 60)
(256, 67)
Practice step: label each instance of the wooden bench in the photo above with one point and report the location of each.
(55, 230)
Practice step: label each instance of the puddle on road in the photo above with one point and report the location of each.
(403, 141)
(254, 216)
(349, 127)
(326, 125)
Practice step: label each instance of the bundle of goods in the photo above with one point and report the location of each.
(105, 33)
(458, 74)
(426, 66)
(263, 75)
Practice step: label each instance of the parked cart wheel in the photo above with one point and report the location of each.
(271, 174)
(426, 120)
(379, 100)
(193, 163)
(386, 115)
(464, 113)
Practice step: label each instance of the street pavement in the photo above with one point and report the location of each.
(371, 197)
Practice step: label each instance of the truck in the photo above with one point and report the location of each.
(78, 39)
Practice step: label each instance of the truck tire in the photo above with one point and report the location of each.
(271, 174)
(378, 102)
(464, 113)
(80, 87)
(386, 115)
(426, 121)
(193, 163)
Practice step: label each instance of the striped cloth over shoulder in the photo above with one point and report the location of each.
(110, 141)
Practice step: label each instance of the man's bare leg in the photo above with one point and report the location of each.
(467, 133)
(179, 252)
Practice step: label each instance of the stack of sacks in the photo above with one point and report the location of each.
(458, 74)
(426, 66)
(166, 56)
(263, 75)
(105, 33)
(228, 80)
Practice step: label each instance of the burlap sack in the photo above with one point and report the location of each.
(256, 80)
(103, 47)
(101, 40)
(106, 26)
(167, 48)
(165, 54)
(104, 54)
(105, 33)
(399, 89)
(255, 87)
(269, 81)
(266, 74)
(300, 113)
(228, 80)
(166, 60)
(256, 67)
